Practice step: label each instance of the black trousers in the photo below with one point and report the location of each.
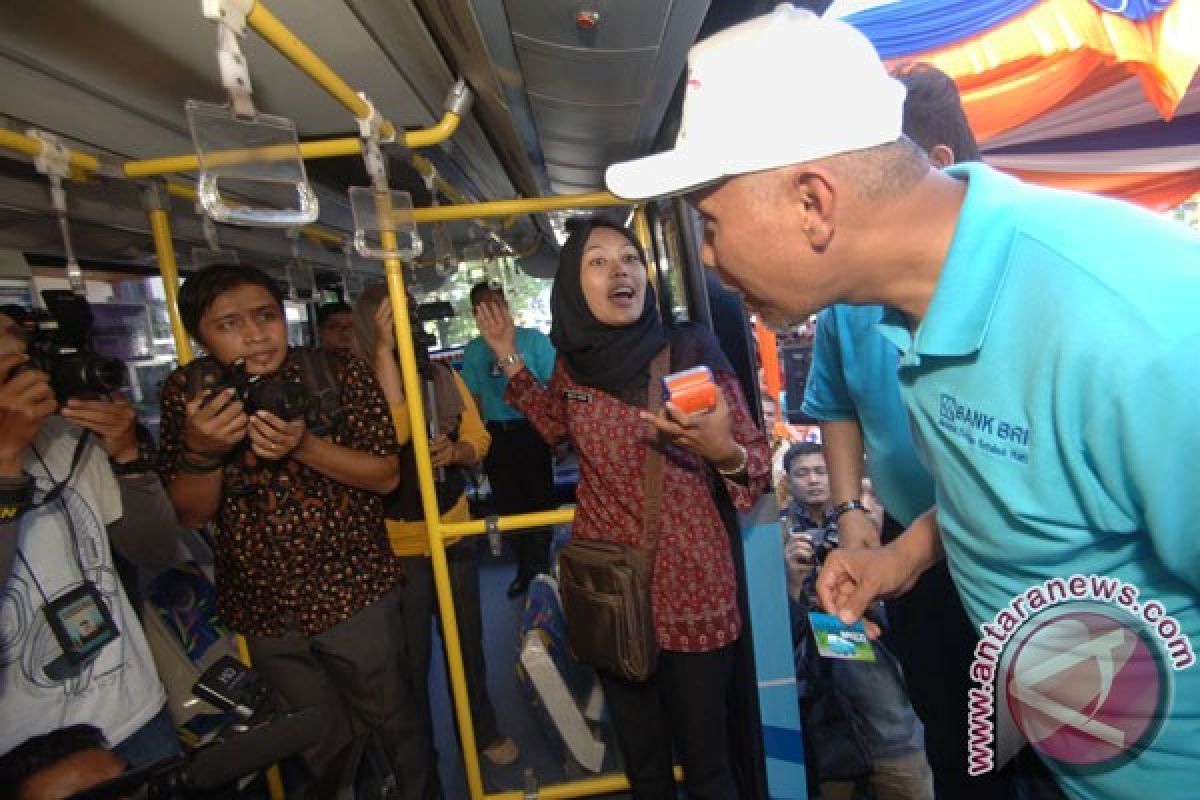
(684, 702)
(935, 642)
(520, 468)
(420, 608)
(354, 675)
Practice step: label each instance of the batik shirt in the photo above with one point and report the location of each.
(296, 549)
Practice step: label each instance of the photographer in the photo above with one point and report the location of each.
(303, 571)
(74, 486)
(461, 441)
(859, 723)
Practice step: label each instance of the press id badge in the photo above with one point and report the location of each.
(836, 639)
(81, 623)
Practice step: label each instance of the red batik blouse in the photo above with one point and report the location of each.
(694, 592)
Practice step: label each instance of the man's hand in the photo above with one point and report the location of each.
(851, 580)
(708, 434)
(215, 423)
(26, 400)
(497, 328)
(271, 438)
(798, 560)
(856, 531)
(113, 421)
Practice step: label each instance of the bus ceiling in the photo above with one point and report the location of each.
(561, 90)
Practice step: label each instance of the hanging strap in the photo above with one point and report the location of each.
(654, 456)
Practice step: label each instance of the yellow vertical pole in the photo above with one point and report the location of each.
(429, 504)
(641, 229)
(160, 225)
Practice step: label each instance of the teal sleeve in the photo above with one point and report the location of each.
(475, 367)
(1145, 452)
(540, 360)
(826, 396)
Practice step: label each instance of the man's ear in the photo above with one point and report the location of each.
(812, 193)
(941, 156)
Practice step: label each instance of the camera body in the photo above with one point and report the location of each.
(286, 399)
(422, 340)
(824, 539)
(58, 342)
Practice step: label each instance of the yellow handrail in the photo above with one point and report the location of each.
(584, 787)
(160, 226)
(512, 522)
(520, 205)
(268, 26)
(429, 505)
(33, 148)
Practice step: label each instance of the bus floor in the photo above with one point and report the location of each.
(541, 751)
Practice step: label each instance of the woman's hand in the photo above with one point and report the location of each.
(385, 327)
(445, 453)
(497, 329)
(708, 434)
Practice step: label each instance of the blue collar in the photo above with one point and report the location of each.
(969, 284)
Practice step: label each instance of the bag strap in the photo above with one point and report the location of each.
(323, 387)
(654, 456)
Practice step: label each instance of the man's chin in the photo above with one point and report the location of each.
(780, 322)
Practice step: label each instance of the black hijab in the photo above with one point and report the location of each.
(616, 358)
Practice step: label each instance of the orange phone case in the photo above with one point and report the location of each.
(692, 390)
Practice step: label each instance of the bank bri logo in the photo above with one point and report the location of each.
(984, 430)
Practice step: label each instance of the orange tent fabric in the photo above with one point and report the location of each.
(1061, 49)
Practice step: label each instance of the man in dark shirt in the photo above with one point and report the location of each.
(335, 326)
(303, 568)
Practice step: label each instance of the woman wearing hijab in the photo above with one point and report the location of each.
(462, 441)
(606, 329)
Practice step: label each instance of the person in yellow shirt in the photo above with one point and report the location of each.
(460, 441)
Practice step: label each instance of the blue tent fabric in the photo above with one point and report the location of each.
(915, 26)
(1136, 10)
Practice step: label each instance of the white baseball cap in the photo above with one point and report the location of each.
(784, 88)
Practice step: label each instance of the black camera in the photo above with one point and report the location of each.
(824, 539)
(58, 342)
(286, 399)
(826, 543)
(418, 315)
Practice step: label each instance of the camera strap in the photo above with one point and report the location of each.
(325, 414)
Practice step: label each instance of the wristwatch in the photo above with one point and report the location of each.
(509, 360)
(135, 467)
(836, 512)
(143, 463)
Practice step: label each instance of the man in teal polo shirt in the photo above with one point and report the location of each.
(519, 464)
(1048, 346)
(853, 391)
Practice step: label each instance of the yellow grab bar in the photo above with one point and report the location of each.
(523, 205)
(160, 226)
(268, 26)
(33, 148)
(511, 522)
